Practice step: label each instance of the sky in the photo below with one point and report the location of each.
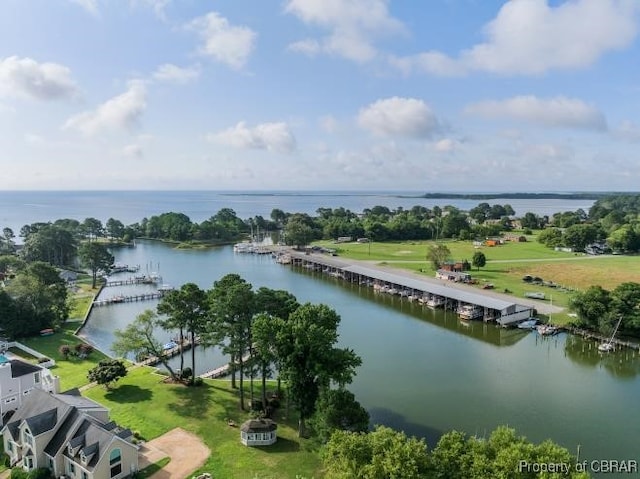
(419, 95)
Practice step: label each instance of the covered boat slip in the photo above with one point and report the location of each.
(496, 307)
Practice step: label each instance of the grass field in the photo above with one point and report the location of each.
(507, 264)
(72, 371)
(142, 402)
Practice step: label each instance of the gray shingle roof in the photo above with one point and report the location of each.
(20, 368)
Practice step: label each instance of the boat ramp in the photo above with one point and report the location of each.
(487, 306)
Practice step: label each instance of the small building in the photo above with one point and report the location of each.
(258, 432)
(456, 276)
(515, 238)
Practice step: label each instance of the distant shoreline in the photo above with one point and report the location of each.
(521, 196)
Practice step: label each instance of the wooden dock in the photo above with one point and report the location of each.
(169, 353)
(129, 299)
(222, 371)
(132, 281)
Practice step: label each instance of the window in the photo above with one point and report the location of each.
(7, 401)
(36, 377)
(9, 446)
(27, 437)
(72, 468)
(115, 461)
(85, 475)
(28, 462)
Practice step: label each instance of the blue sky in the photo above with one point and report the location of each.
(438, 95)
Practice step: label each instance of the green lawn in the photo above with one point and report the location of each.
(142, 402)
(507, 264)
(72, 371)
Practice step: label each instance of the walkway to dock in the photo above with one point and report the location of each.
(222, 371)
(132, 281)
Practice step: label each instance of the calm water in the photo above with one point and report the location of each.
(18, 208)
(424, 371)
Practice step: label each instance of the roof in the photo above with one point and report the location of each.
(433, 288)
(258, 425)
(20, 368)
(71, 416)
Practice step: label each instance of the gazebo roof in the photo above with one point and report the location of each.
(258, 425)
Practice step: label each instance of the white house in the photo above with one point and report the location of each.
(71, 436)
(18, 379)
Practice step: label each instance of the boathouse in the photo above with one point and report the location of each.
(495, 307)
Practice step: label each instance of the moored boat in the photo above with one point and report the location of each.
(528, 324)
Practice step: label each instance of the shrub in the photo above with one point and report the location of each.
(186, 373)
(64, 351)
(40, 473)
(78, 348)
(198, 381)
(18, 473)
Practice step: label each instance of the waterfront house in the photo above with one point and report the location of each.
(71, 436)
(456, 276)
(258, 432)
(18, 379)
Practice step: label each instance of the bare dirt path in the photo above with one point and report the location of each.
(186, 450)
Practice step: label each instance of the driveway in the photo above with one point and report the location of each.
(187, 452)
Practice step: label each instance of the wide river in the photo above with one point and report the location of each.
(424, 371)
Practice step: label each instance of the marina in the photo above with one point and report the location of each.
(424, 370)
(469, 303)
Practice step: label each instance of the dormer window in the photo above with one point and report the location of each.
(27, 438)
(83, 458)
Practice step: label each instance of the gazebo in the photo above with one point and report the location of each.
(258, 432)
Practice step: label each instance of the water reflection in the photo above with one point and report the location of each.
(487, 332)
(623, 363)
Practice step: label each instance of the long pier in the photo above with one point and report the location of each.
(132, 281)
(169, 353)
(485, 305)
(222, 371)
(129, 299)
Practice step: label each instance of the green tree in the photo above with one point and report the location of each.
(382, 453)
(115, 228)
(186, 308)
(95, 257)
(107, 372)
(92, 228)
(591, 306)
(438, 254)
(41, 297)
(479, 260)
(310, 362)
(550, 237)
(297, 233)
(231, 303)
(52, 244)
(139, 340)
(338, 409)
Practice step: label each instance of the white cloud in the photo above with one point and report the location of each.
(530, 37)
(174, 74)
(329, 124)
(445, 145)
(265, 136)
(627, 130)
(554, 112)
(226, 43)
(132, 151)
(120, 112)
(399, 116)
(90, 6)
(41, 81)
(353, 26)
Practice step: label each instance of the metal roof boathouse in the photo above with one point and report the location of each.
(490, 306)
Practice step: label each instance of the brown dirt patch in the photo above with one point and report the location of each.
(187, 452)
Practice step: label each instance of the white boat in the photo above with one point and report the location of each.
(435, 302)
(608, 346)
(534, 295)
(546, 330)
(470, 311)
(528, 324)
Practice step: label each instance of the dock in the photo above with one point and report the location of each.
(169, 353)
(222, 371)
(129, 299)
(133, 281)
(500, 308)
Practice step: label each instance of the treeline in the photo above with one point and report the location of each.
(385, 453)
(614, 220)
(34, 299)
(258, 330)
(599, 309)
